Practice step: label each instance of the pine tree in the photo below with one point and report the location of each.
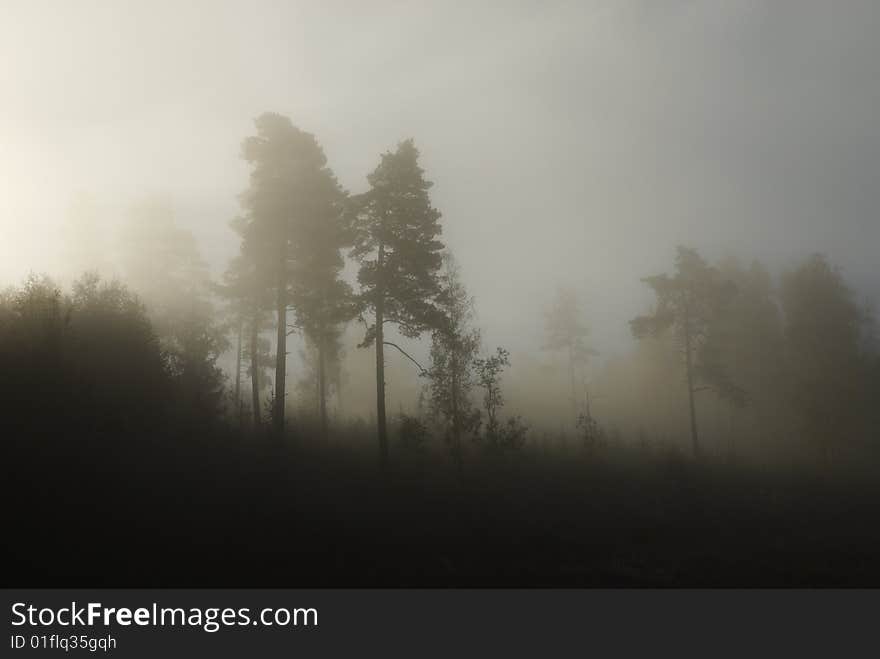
(291, 189)
(566, 332)
(247, 304)
(395, 233)
(687, 304)
(826, 356)
(323, 301)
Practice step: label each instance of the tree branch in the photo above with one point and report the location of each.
(404, 353)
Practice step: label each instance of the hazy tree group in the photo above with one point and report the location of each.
(726, 351)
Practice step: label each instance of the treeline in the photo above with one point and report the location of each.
(297, 228)
(788, 368)
(91, 363)
(726, 357)
(150, 426)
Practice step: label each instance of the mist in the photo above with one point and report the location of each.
(574, 151)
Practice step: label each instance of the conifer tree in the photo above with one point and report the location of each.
(396, 241)
(688, 303)
(291, 189)
(566, 332)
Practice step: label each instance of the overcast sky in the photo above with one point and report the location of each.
(569, 142)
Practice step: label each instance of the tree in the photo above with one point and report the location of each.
(320, 375)
(245, 289)
(395, 236)
(565, 331)
(747, 340)
(291, 189)
(687, 304)
(85, 237)
(35, 336)
(162, 262)
(322, 300)
(498, 436)
(86, 364)
(454, 348)
(824, 349)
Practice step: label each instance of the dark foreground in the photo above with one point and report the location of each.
(217, 509)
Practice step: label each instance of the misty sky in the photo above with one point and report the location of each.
(569, 142)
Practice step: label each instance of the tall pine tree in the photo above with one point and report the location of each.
(322, 300)
(291, 188)
(688, 304)
(395, 236)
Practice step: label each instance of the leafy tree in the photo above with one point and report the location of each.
(108, 321)
(565, 331)
(35, 337)
(395, 235)
(160, 259)
(412, 432)
(592, 434)
(454, 348)
(823, 337)
(82, 364)
(688, 304)
(291, 192)
(497, 435)
(162, 262)
(747, 340)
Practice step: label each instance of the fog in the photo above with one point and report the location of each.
(571, 143)
(598, 280)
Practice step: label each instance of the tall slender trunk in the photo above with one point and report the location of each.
(255, 374)
(318, 386)
(338, 390)
(281, 343)
(456, 426)
(690, 383)
(380, 361)
(731, 438)
(574, 398)
(322, 388)
(238, 373)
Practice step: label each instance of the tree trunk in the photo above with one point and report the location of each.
(337, 385)
(255, 374)
(456, 426)
(322, 388)
(574, 400)
(281, 344)
(380, 362)
(238, 373)
(690, 384)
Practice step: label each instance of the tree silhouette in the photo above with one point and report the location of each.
(322, 299)
(565, 331)
(454, 348)
(162, 263)
(687, 304)
(395, 235)
(747, 340)
(291, 190)
(88, 362)
(497, 435)
(247, 305)
(823, 330)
